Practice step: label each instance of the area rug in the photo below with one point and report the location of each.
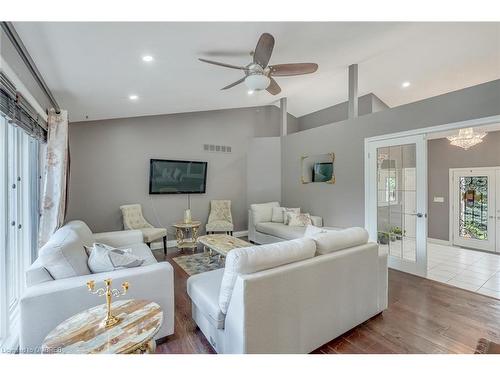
(196, 263)
(487, 347)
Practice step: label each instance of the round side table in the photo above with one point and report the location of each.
(83, 333)
(186, 234)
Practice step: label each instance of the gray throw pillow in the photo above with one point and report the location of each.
(104, 258)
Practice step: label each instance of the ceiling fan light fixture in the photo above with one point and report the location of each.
(257, 82)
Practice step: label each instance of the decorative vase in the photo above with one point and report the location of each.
(187, 216)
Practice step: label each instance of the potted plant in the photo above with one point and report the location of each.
(397, 232)
(383, 238)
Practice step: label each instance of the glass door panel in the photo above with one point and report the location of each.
(400, 204)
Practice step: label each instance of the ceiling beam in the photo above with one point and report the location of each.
(353, 91)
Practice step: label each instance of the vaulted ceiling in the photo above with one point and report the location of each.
(93, 68)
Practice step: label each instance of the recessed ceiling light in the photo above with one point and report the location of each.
(147, 58)
(405, 84)
(250, 92)
(133, 97)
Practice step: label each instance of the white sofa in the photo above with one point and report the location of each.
(262, 230)
(56, 285)
(286, 299)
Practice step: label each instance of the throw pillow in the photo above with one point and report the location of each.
(286, 211)
(299, 220)
(104, 258)
(277, 215)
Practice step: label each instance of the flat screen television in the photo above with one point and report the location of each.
(322, 172)
(177, 177)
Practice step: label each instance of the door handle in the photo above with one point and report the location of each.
(421, 214)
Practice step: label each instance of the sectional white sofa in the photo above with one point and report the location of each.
(262, 229)
(56, 281)
(291, 296)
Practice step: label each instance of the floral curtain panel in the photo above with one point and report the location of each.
(55, 175)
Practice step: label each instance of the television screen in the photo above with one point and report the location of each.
(322, 172)
(177, 177)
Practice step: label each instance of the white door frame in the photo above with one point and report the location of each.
(495, 207)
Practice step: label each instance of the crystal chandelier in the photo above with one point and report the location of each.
(466, 138)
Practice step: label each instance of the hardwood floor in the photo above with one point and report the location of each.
(423, 316)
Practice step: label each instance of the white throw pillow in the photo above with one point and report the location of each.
(277, 215)
(298, 220)
(340, 239)
(104, 258)
(257, 258)
(263, 212)
(287, 211)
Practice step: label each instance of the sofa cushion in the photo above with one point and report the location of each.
(104, 258)
(287, 211)
(281, 230)
(277, 215)
(82, 230)
(258, 258)
(338, 240)
(298, 220)
(153, 234)
(263, 212)
(204, 289)
(64, 255)
(142, 251)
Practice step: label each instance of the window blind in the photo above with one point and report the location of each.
(19, 111)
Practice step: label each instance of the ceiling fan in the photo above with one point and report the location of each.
(259, 75)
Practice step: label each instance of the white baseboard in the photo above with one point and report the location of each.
(241, 233)
(438, 241)
(173, 243)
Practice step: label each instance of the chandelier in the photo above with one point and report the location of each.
(466, 138)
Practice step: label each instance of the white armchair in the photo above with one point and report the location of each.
(50, 299)
(134, 220)
(220, 218)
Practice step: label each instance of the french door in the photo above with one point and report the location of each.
(475, 208)
(396, 206)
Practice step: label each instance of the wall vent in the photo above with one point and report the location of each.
(217, 148)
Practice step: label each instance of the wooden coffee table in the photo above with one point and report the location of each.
(83, 333)
(221, 244)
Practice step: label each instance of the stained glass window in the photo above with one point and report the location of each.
(473, 214)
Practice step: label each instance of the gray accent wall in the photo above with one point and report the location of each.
(110, 163)
(342, 204)
(264, 170)
(441, 157)
(367, 104)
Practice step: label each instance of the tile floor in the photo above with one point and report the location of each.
(467, 269)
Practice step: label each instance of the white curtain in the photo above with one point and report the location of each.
(55, 176)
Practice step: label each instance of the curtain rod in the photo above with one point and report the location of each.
(28, 61)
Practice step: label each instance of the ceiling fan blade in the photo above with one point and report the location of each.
(283, 70)
(273, 87)
(234, 84)
(223, 64)
(263, 50)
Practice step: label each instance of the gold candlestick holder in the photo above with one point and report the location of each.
(108, 292)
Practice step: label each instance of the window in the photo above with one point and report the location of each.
(19, 174)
